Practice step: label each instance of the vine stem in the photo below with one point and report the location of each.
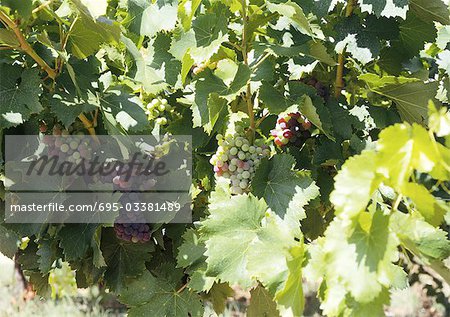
(42, 6)
(248, 94)
(25, 46)
(88, 126)
(182, 288)
(339, 84)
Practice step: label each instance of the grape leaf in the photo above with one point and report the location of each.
(209, 27)
(149, 18)
(8, 242)
(156, 296)
(152, 80)
(273, 99)
(294, 13)
(66, 107)
(191, 250)
(76, 239)
(123, 259)
(96, 8)
(314, 112)
(411, 99)
(19, 95)
(281, 187)
(275, 240)
(426, 204)
(186, 12)
(218, 296)
(46, 255)
(354, 184)
(403, 148)
(290, 300)
(88, 34)
(124, 110)
(431, 10)
(420, 237)
(261, 304)
(8, 38)
(228, 231)
(209, 83)
(414, 33)
(358, 259)
(22, 7)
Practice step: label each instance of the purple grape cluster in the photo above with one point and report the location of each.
(131, 225)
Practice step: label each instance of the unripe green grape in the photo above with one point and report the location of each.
(243, 184)
(238, 143)
(233, 151)
(64, 148)
(76, 155)
(74, 144)
(246, 174)
(241, 155)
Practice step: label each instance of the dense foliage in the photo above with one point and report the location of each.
(326, 123)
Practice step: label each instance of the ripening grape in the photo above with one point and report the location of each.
(292, 128)
(237, 159)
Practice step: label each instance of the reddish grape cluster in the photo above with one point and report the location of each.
(292, 128)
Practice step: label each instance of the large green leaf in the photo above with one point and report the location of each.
(431, 10)
(354, 184)
(231, 227)
(76, 239)
(155, 296)
(124, 110)
(411, 99)
(208, 84)
(420, 237)
(152, 80)
(19, 95)
(88, 34)
(67, 107)
(281, 187)
(123, 259)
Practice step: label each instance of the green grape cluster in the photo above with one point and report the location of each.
(237, 159)
(158, 109)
